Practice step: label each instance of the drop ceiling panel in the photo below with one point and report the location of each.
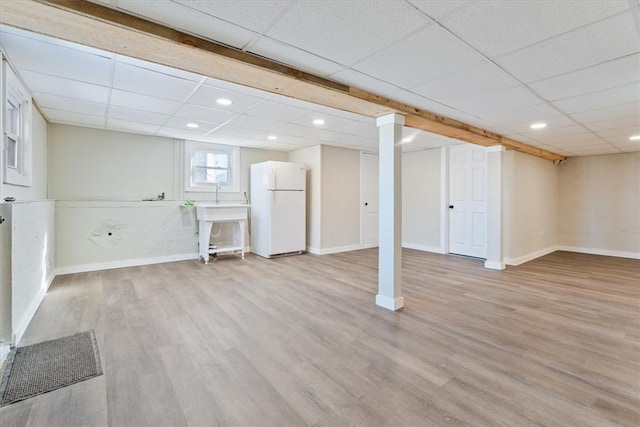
(206, 96)
(474, 81)
(186, 75)
(121, 98)
(70, 104)
(438, 9)
(129, 126)
(188, 20)
(209, 115)
(70, 117)
(179, 133)
(598, 77)
(181, 123)
(330, 122)
(255, 15)
(139, 116)
(44, 83)
(345, 32)
(400, 63)
(56, 60)
(276, 111)
(147, 82)
(255, 123)
(601, 99)
(499, 27)
(610, 113)
(620, 134)
(358, 128)
(619, 122)
(363, 81)
(587, 46)
(595, 151)
(293, 57)
(498, 107)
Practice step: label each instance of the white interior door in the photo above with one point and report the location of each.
(468, 200)
(370, 178)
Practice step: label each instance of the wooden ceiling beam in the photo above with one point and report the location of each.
(103, 28)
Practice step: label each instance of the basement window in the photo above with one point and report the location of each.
(211, 166)
(17, 130)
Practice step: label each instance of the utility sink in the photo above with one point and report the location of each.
(209, 213)
(218, 212)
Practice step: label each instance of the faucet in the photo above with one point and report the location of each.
(217, 189)
(161, 196)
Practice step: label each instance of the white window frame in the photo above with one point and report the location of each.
(13, 90)
(191, 147)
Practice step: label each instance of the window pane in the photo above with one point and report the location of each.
(222, 176)
(12, 152)
(13, 118)
(200, 158)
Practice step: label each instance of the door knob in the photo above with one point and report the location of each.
(450, 206)
(1, 219)
(366, 203)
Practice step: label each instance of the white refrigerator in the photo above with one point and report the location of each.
(278, 208)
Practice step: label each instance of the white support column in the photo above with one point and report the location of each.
(390, 223)
(495, 256)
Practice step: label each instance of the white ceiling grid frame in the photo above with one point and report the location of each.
(53, 85)
(188, 20)
(402, 64)
(346, 31)
(496, 28)
(595, 78)
(601, 99)
(602, 41)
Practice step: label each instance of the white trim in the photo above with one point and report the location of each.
(605, 252)
(82, 268)
(388, 303)
(423, 248)
(531, 256)
(493, 148)
(28, 315)
(369, 246)
(493, 265)
(392, 118)
(5, 348)
(334, 250)
(234, 166)
(444, 200)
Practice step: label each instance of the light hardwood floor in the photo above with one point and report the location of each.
(298, 341)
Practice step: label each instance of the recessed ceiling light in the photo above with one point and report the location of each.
(407, 139)
(318, 122)
(538, 125)
(272, 137)
(224, 101)
(635, 138)
(193, 125)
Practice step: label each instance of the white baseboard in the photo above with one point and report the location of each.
(82, 268)
(5, 348)
(390, 303)
(334, 250)
(494, 265)
(531, 256)
(606, 252)
(23, 323)
(423, 248)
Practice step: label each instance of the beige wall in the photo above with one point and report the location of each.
(600, 204)
(311, 158)
(530, 207)
(421, 189)
(340, 198)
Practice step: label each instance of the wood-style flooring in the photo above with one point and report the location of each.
(299, 341)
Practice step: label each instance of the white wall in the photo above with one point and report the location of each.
(32, 261)
(530, 207)
(340, 199)
(95, 235)
(100, 178)
(312, 159)
(600, 205)
(421, 199)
